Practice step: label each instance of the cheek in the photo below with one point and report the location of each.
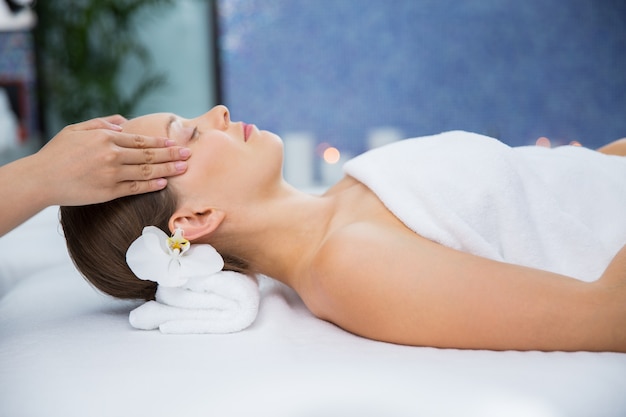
(182, 185)
(206, 163)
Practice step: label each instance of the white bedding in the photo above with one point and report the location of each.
(66, 350)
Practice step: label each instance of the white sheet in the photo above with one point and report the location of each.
(66, 350)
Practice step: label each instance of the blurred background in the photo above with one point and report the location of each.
(333, 77)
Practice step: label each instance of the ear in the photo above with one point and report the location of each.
(196, 223)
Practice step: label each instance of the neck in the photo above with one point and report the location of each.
(278, 236)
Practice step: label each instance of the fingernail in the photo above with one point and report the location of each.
(185, 152)
(113, 126)
(161, 182)
(180, 166)
(169, 142)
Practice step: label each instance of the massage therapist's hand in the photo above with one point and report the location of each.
(93, 162)
(86, 163)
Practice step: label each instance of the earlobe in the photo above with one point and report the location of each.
(196, 224)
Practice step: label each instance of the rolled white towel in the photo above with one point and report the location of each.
(224, 302)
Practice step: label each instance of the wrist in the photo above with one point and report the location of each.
(37, 182)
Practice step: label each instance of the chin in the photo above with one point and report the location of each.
(272, 135)
(279, 143)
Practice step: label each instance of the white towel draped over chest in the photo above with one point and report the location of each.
(562, 209)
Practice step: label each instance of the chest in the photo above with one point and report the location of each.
(361, 205)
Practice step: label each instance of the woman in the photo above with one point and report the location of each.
(351, 260)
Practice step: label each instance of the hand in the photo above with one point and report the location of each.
(617, 147)
(93, 162)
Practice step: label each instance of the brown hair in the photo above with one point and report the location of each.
(98, 236)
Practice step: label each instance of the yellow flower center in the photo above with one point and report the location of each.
(177, 243)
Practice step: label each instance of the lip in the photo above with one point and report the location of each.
(247, 131)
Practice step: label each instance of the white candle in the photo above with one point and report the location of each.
(383, 136)
(299, 158)
(331, 168)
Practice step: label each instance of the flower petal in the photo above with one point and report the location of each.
(173, 278)
(155, 238)
(200, 260)
(150, 258)
(146, 258)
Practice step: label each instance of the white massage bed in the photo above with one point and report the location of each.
(66, 350)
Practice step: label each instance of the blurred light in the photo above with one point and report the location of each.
(332, 155)
(543, 141)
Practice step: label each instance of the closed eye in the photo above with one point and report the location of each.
(194, 134)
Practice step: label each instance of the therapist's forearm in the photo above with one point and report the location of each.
(22, 193)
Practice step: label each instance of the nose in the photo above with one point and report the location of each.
(218, 117)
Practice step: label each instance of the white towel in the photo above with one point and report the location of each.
(562, 209)
(224, 302)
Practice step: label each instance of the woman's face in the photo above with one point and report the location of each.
(232, 161)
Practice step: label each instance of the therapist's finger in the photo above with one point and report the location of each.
(135, 141)
(98, 123)
(145, 172)
(153, 155)
(139, 187)
(116, 119)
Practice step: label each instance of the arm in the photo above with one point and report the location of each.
(617, 147)
(85, 163)
(395, 286)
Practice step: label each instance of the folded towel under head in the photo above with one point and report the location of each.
(223, 302)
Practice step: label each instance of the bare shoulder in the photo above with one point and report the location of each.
(337, 256)
(345, 252)
(363, 249)
(358, 270)
(352, 248)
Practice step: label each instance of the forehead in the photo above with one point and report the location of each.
(151, 124)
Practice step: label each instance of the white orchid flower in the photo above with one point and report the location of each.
(170, 261)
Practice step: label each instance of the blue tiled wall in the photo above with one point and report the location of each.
(512, 69)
